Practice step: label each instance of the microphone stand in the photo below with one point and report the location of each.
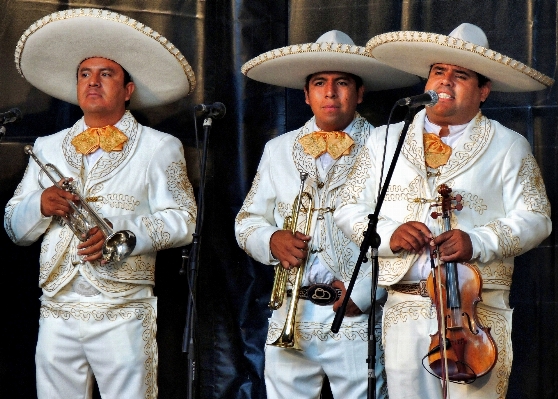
(372, 240)
(193, 260)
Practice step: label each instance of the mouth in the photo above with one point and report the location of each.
(445, 96)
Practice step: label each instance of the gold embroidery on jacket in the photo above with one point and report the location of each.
(180, 188)
(160, 239)
(534, 192)
(508, 243)
(249, 200)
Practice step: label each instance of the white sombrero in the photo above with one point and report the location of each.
(50, 51)
(466, 46)
(334, 51)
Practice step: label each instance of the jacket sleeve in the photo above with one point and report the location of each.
(255, 222)
(171, 219)
(526, 221)
(23, 220)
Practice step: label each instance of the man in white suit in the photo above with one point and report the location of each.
(505, 209)
(334, 74)
(98, 314)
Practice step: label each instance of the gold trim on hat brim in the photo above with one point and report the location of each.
(50, 50)
(415, 52)
(289, 66)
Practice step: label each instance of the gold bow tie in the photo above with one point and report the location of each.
(436, 152)
(335, 143)
(108, 138)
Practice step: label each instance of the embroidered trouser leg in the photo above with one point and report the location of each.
(408, 322)
(115, 342)
(342, 357)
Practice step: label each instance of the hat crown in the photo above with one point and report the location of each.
(335, 36)
(470, 33)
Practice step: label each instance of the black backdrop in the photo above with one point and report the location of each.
(217, 37)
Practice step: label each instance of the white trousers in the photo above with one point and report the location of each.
(84, 338)
(408, 322)
(291, 374)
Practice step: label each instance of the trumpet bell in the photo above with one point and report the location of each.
(119, 245)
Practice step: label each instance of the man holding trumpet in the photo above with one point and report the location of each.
(334, 74)
(98, 314)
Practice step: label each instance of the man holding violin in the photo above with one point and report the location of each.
(334, 74)
(503, 212)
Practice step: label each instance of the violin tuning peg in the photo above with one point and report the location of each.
(434, 215)
(458, 197)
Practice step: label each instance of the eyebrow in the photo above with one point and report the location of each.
(103, 69)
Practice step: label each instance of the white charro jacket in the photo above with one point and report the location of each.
(143, 188)
(506, 210)
(272, 196)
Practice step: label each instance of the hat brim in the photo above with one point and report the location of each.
(289, 66)
(50, 51)
(415, 52)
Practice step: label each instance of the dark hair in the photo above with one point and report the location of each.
(127, 79)
(357, 79)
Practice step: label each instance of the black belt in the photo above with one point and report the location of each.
(319, 294)
(412, 289)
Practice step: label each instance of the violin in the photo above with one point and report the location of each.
(455, 289)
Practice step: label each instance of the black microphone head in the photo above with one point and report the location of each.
(218, 110)
(17, 114)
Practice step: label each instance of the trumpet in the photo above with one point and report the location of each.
(117, 246)
(301, 204)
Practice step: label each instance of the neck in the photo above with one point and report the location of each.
(98, 120)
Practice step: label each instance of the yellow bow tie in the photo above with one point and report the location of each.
(335, 143)
(108, 138)
(436, 152)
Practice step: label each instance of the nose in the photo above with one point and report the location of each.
(93, 80)
(330, 90)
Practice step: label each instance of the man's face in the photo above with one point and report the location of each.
(333, 97)
(459, 94)
(100, 88)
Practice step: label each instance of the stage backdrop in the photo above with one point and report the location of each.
(217, 37)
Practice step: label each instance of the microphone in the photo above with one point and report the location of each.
(428, 98)
(10, 116)
(215, 110)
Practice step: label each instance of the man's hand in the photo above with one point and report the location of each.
(92, 248)
(410, 236)
(454, 246)
(289, 249)
(54, 202)
(352, 309)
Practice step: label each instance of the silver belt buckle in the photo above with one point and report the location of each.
(83, 287)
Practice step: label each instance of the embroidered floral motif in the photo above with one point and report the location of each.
(249, 200)
(534, 192)
(143, 312)
(307, 330)
(407, 311)
(472, 201)
(508, 243)
(356, 179)
(120, 201)
(160, 239)
(180, 188)
(500, 331)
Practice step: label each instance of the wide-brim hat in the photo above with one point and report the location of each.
(50, 50)
(334, 51)
(466, 46)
